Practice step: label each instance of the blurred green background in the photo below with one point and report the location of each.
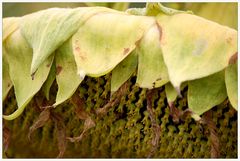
(223, 13)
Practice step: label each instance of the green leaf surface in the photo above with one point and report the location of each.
(152, 71)
(123, 71)
(106, 39)
(194, 47)
(205, 93)
(231, 80)
(48, 83)
(171, 92)
(47, 30)
(9, 26)
(6, 80)
(66, 73)
(19, 58)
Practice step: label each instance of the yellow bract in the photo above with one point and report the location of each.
(194, 47)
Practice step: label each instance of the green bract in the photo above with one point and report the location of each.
(164, 46)
(19, 56)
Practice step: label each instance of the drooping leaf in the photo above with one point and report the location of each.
(194, 47)
(106, 39)
(19, 58)
(153, 9)
(66, 73)
(231, 80)
(123, 71)
(46, 30)
(207, 92)
(172, 93)
(48, 83)
(9, 26)
(6, 80)
(152, 71)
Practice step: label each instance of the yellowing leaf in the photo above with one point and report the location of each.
(231, 80)
(205, 93)
(66, 73)
(152, 71)
(194, 47)
(19, 58)
(106, 39)
(6, 80)
(47, 30)
(9, 26)
(50, 79)
(123, 71)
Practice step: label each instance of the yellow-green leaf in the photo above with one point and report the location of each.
(6, 80)
(48, 83)
(205, 93)
(231, 80)
(123, 71)
(172, 93)
(19, 58)
(106, 39)
(47, 30)
(152, 71)
(66, 73)
(194, 47)
(9, 26)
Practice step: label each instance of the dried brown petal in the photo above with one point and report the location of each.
(155, 127)
(41, 121)
(61, 133)
(6, 138)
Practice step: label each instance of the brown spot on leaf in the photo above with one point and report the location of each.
(48, 65)
(8, 85)
(233, 59)
(229, 40)
(80, 54)
(160, 31)
(32, 75)
(77, 49)
(138, 42)
(125, 51)
(59, 69)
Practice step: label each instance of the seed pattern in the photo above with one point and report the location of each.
(125, 131)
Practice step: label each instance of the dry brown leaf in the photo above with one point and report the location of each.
(41, 121)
